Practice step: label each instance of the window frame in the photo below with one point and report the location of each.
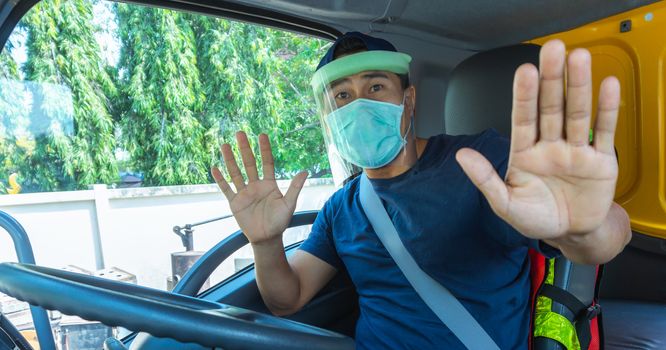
(221, 9)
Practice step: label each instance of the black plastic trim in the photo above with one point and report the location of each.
(8, 25)
(648, 243)
(11, 337)
(637, 273)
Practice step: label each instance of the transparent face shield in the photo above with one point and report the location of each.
(366, 113)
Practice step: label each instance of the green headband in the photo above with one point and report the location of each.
(396, 62)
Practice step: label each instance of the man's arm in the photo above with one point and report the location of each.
(263, 214)
(600, 245)
(287, 285)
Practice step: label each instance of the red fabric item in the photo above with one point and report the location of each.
(537, 273)
(594, 330)
(595, 343)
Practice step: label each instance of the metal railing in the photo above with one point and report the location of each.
(25, 255)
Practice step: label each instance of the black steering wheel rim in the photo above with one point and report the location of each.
(160, 313)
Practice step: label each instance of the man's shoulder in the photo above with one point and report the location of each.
(469, 140)
(489, 142)
(344, 193)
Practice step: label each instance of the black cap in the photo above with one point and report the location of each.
(371, 44)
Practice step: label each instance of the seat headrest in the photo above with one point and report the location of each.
(480, 90)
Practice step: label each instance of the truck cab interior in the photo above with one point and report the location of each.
(464, 58)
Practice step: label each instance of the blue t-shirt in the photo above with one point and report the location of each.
(452, 233)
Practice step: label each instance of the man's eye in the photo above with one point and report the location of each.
(342, 95)
(376, 87)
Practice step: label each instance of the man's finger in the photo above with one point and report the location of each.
(295, 188)
(267, 163)
(551, 90)
(609, 103)
(232, 167)
(222, 183)
(485, 178)
(524, 110)
(579, 97)
(247, 156)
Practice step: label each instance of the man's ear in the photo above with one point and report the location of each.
(410, 99)
(409, 113)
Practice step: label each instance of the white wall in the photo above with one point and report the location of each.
(133, 225)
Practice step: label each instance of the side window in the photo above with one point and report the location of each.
(112, 114)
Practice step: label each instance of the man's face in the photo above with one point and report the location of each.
(361, 132)
(373, 85)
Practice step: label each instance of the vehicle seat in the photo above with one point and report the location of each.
(632, 324)
(478, 97)
(633, 294)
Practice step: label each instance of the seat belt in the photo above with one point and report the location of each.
(444, 304)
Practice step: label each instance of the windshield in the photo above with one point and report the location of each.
(111, 116)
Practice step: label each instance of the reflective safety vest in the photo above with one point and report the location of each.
(574, 333)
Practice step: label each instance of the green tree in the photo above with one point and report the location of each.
(9, 112)
(71, 134)
(163, 96)
(184, 83)
(256, 80)
(301, 144)
(8, 67)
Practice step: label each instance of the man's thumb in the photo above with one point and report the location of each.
(485, 178)
(295, 188)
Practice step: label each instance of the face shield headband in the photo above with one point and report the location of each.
(391, 61)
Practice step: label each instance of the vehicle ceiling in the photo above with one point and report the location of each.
(471, 25)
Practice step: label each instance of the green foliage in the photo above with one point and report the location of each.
(184, 84)
(8, 67)
(68, 141)
(8, 112)
(298, 133)
(245, 77)
(257, 80)
(160, 80)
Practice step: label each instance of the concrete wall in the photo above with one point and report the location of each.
(132, 228)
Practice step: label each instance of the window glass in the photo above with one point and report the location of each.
(111, 116)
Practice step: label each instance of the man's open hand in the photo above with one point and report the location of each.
(556, 184)
(260, 209)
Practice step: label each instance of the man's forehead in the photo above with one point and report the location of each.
(365, 75)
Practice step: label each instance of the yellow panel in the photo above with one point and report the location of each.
(637, 58)
(614, 60)
(31, 337)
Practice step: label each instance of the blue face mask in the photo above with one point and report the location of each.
(367, 132)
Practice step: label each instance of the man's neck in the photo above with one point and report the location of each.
(400, 165)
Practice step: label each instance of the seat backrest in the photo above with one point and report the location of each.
(480, 88)
(479, 96)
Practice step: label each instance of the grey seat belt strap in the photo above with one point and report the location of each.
(444, 304)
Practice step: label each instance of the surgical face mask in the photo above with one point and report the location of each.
(367, 132)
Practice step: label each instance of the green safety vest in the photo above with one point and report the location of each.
(550, 324)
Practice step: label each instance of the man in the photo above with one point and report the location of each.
(556, 197)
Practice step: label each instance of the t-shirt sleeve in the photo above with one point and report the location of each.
(320, 241)
(496, 149)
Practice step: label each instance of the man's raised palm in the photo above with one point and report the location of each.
(260, 209)
(557, 183)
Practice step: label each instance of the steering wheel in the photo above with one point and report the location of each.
(160, 313)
